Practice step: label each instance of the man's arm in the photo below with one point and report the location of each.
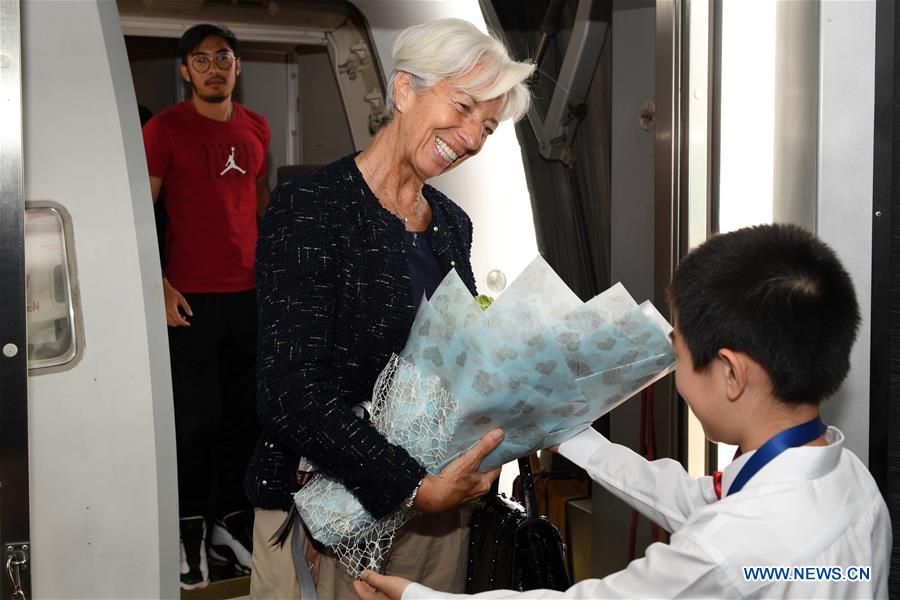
(661, 490)
(262, 196)
(175, 302)
(155, 186)
(262, 178)
(157, 149)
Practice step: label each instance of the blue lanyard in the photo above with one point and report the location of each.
(789, 438)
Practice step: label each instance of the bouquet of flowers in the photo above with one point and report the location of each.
(539, 363)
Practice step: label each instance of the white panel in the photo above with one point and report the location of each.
(263, 88)
(325, 135)
(844, 215)
(747, 113)
(796, 114)
(102, 445)
(490, 187)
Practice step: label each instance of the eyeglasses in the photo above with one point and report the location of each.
(202, 62)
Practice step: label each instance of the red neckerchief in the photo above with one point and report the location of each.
(717, 477)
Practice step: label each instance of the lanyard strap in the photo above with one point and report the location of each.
(789, 438)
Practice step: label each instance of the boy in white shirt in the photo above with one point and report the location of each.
(765, 319)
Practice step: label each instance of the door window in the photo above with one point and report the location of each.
(50, 313)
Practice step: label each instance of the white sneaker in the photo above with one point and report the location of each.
(230, 541)
(194, 568)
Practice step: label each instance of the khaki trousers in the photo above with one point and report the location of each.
(431, 549)
(272, 575)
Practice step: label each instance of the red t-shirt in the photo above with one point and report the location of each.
(208, 170)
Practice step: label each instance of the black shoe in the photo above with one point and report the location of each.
(194, 569)
(232, 540)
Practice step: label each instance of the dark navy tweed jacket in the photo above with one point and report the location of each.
(335, 300)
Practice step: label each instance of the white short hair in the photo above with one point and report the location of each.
(448, 48)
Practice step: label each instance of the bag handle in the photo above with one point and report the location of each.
(526, 476)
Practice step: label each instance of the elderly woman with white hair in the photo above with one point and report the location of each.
(345, 255)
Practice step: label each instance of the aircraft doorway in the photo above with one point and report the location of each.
(295, 87)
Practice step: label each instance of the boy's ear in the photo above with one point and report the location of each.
(735, 372)
(184, 73)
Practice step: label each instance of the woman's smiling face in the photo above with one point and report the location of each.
(443, 126)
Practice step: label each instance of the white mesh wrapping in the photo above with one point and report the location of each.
(410, 410)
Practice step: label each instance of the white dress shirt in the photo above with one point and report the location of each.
(812, 506)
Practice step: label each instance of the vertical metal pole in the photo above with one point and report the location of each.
(715, 112)
(670, 231)
(883, 369)
(14, 518)
(667, 168)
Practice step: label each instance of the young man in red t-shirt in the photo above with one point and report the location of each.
(207, 155)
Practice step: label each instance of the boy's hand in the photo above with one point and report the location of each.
(375, 587)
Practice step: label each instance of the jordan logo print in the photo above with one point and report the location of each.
(231, 165)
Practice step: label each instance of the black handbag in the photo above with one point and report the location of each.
(514, 548)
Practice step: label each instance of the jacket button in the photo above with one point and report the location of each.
(435, 227)
(264, 482)
(452, 263)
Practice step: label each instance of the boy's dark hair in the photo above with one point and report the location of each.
(193, 37)
(779, 295)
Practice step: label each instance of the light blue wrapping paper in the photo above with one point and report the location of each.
(538, 363)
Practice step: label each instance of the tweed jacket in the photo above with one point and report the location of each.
(335, 300)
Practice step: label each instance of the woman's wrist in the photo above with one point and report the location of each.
(410, 501)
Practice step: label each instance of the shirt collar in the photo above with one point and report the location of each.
(794, 464)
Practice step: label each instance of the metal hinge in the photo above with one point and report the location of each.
(17, 557)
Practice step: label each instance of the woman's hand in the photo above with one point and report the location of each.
(460, 482)
(376, 587)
